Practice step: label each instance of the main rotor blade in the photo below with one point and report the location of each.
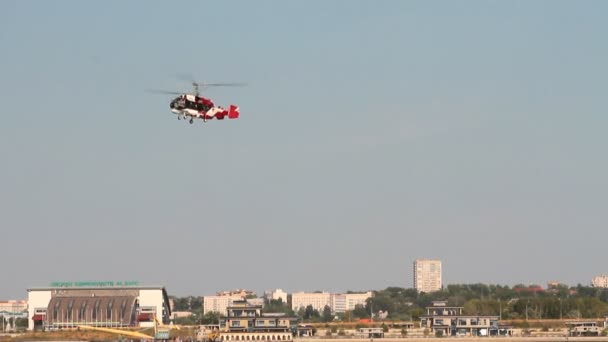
(233, 84)
(159, 91)
(186, 77)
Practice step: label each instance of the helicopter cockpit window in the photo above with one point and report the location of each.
(179, 102)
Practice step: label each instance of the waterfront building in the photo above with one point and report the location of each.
(583, 328)
(443, 320)
(99, 304)
(370, 332)
(246, 322)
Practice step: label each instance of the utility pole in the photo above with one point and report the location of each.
(499, 310)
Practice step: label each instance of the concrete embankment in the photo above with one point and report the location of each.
(462, 339)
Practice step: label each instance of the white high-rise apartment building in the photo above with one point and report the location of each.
(276, 295)
(337, 302)
(427, 275)
(318, 300)
(354, 299)
(600, 281)
(342, 302)
(219, 303)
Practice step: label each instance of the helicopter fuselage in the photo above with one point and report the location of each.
(196, 107)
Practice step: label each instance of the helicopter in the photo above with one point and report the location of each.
(194, 106)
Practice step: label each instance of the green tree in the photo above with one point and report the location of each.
(211, 317)
(189, 303)
(308, 312)
(360, 311)
(190, 320)
(327, 316)
(311, 314)
(180, 304)
(196, 303)
(21, 322)
(347, 316)
(416, 313)
(277, 306)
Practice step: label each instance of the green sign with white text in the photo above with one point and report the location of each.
(94, 283)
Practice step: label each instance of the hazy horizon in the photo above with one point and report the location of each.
(260, 292)
(370, 134)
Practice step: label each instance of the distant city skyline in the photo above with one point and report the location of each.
(370, 133)
(239, 291)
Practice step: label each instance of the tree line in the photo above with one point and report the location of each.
(407, 304)
(517, 302)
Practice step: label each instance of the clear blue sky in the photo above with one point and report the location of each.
(372, 133)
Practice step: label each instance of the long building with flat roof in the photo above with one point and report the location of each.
(100, 304)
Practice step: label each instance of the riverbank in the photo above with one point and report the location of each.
(463, 339)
